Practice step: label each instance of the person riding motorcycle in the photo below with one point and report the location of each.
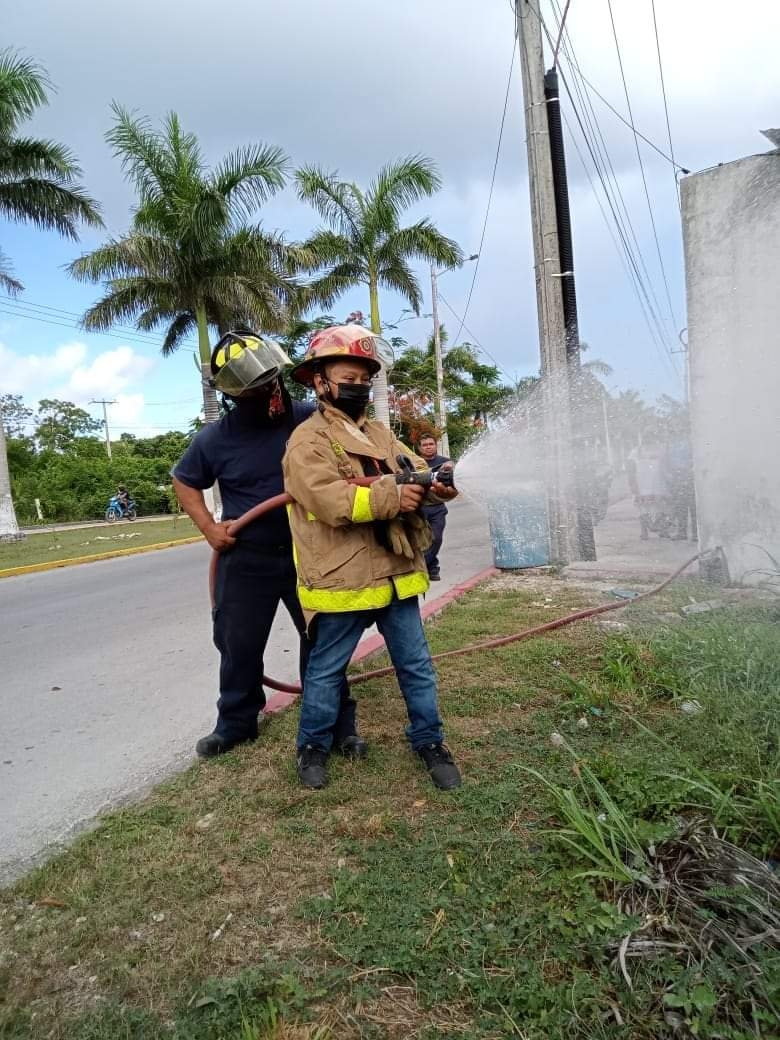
(255, 570)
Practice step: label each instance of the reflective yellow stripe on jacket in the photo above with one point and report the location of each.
(339, 601)
(361, 507)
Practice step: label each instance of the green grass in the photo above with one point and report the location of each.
(50, 546)
(382, 908)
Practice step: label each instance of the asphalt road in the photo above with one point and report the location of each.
(108, 677)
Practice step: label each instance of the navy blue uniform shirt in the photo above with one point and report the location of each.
(435, 464)
(246, 458)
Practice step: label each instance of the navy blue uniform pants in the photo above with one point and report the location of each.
(251, 583)
(437, 518)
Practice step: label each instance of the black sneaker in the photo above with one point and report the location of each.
(312, 762)
(352, 746)
(439, 763)
(434, 576)
(214, 744)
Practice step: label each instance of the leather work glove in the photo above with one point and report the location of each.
(399, 542)
(418, 531)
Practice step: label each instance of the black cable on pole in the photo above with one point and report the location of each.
(642, 168)
(490, 193)
(666, 103)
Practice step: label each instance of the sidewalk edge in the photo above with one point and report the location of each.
(50, 565)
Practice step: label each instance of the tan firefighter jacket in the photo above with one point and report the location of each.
(342, 565)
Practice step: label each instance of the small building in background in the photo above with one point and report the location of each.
(731, 232)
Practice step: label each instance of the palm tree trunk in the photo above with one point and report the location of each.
(210, 403)
(381, 397)
(9, 529)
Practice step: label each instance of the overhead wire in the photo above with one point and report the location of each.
(70, 320)
(492, 186)
(642, 168)
(476, 342)
(608, 177)
(594, 139)
(666, 103)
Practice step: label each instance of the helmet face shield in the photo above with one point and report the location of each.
(241, 363)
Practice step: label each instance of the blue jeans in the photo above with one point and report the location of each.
(337, 636)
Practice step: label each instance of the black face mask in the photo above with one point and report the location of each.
(352, 399)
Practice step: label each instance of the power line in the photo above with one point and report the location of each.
(666, 103)
(642, 168)
(604, 168)
(492, 186)
(14, 310)
(609, 177)
(473, 337)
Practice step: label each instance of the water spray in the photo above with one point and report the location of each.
(409, 475)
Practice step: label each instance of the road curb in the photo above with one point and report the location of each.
(51, 565)
(280, 702)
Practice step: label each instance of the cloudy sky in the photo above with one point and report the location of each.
(350, 85)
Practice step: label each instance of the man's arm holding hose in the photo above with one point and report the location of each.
(193, 503)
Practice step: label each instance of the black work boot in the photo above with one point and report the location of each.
(312, 766)
(439, 763)
(352, 746)
(214, 744)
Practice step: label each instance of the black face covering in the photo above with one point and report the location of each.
(352, 399)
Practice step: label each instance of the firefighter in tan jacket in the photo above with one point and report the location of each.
(358, 551)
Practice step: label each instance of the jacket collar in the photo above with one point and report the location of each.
(355, 438)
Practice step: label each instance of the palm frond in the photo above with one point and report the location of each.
(142, 153)
(398, 276)
(248, 177)
(124, 257)
(48, 205)
(337, 202)
(326, 247)
(127, 300)
(24, 87)
(29, 157)
(181, 327)
(324, 291)
(422, 241)
(400, 184)
(7, 280)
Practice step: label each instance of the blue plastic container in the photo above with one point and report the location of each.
(519, 529)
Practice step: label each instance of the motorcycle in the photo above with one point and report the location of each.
(117, 511)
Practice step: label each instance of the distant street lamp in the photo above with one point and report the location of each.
(441, 410)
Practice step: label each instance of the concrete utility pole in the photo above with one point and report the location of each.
(105, 423)
(441, 410)
(562, 501)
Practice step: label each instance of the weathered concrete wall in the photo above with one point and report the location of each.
(731, 231)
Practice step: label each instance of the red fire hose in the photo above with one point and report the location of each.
(489, 644)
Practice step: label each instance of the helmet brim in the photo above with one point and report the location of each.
(304, 372)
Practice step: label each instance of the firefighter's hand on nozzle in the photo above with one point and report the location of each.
(444, 488)
(411, 496)
(216, 534)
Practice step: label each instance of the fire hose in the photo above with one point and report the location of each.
(279, 501)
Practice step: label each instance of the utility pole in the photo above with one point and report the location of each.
(105, 423)
(441, 411)
(559, 345)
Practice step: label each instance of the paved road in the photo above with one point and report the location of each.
(107, 679)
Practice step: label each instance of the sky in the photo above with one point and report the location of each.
(351, 85)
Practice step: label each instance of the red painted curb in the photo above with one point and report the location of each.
(281, 701)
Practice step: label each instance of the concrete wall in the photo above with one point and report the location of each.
(731, 231)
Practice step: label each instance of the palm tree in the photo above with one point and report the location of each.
(364, 243)
(37, 186)
(191, 259)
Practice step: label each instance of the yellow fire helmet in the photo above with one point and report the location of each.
(242, 361)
